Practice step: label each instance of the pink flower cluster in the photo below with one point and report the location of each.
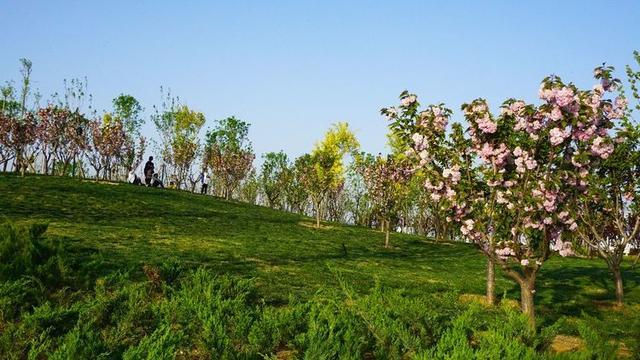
(563, 248)
(600, 147)
(505, 252)
(452, 173)
(479, 113)
(557, 136)
(497, 155)
(408, 100)
(419, 142)
(486, 125)
(562, 97)
(564, 217)
(523, 161)
(467, 227)
(434, 119)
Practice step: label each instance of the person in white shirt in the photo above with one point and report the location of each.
(133, 178)
(204, 178)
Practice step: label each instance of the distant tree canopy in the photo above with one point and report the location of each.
(228, 153)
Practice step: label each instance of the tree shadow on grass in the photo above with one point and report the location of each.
(575, 290)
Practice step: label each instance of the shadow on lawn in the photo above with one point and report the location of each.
(576, 290)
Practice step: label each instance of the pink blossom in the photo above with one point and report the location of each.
(419, 141)
(505, 252)
(564, 96)
(524, 262)
(486, 125)
(408, 100)
(601, 148)
(453, 173)
(563, 248)
(556, 114)
(557, 136)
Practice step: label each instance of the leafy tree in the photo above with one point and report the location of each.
(249, 188)
(274, 176)
(228, 153)
(178, 127)
(295, 191)
(186, 145)
(128, 110)
(323, 168)
(359, 204)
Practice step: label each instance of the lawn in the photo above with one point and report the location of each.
(112, 228)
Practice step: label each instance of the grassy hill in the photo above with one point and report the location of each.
(108, 229)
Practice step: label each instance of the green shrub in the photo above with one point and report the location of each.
(19, 296)
(160, 345)
(479, 333)
(24, 252)
(215, 312)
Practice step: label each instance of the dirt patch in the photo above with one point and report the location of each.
(101, 182)
(566, 343)
(285, 354)
(312, 225)
(607, 305)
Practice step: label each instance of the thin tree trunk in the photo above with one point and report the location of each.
(386, 233)
(527, 294)
(617, 275)
(491, 281)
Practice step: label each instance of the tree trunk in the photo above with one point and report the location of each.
(386, 233)
(617, 275)
(491, 281)
(527, 294)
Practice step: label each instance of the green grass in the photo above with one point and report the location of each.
(118, 227)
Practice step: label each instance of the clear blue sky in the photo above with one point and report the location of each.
(293, 68)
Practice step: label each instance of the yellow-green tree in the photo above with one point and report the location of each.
(179, 127)
(325, 165)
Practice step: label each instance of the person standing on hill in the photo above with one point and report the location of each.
(205, 183)
(149, 169)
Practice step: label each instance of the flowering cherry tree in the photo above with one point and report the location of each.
(20, 139)
(109, 143)
(6, 152)
(530, 158)
(62, 135)
(9, 110)
(385, 180)
(609, 213)
(511, 182)
(420, 134)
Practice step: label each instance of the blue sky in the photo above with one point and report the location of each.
(292, 68)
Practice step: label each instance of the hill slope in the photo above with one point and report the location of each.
(128, 226)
